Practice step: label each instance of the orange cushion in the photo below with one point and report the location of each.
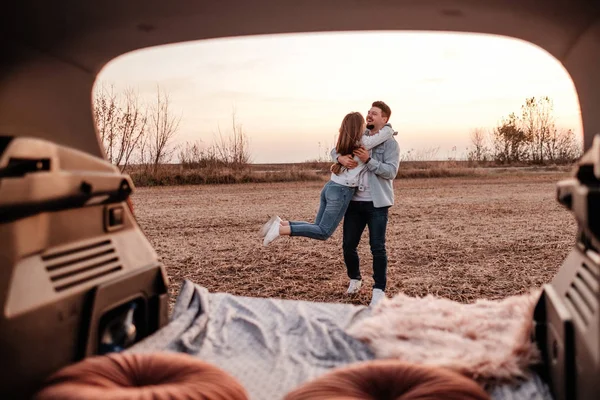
(389, 380)
(155, 376)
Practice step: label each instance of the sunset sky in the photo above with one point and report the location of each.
(290, 92)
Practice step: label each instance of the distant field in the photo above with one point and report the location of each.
(485, 236)
(411, 165)
(177, 174)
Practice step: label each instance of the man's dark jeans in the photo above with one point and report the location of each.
(359, 215)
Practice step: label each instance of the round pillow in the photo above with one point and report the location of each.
(389, 380)
(150, 376)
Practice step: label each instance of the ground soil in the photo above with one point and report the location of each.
(481, 237)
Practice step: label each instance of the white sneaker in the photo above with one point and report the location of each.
(378, 295)
(272, 233)
(354, 286)
(265, 227)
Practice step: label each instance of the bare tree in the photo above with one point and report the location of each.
(234, 149)
(134, 119)
(121, 122)
(480, 151)
(106, 115)
(563, 147)
(538, 125)
(163, 127)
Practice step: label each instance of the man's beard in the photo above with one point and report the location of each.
(370, 126)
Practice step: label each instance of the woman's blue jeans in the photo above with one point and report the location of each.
(334, 203)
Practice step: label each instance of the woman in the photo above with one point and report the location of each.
(337, 193)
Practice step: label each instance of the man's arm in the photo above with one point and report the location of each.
(388, 169)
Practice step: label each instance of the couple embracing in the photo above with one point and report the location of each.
(360, 191)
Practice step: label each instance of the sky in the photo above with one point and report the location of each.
(290, 92)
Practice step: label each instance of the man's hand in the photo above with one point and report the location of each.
(347, 161)
(362, 154)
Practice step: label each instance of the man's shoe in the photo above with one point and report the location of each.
(378, 295)
(265, 227)
(354, 286)
(272, 233)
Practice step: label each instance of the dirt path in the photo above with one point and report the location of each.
(458, 238)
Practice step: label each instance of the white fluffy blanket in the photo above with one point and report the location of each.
(489, 341)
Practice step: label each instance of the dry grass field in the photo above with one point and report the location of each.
(461, 238)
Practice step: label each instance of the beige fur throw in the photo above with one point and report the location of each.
(489, 340)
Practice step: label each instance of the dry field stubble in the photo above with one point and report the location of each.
(462, 239)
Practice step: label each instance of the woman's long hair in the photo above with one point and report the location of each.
(351, 131)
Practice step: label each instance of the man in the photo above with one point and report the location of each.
(369, 206)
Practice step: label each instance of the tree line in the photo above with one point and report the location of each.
(144, 133)
(528, 137)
